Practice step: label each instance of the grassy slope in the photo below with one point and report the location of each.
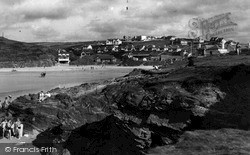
(11, 50)
(209, 142)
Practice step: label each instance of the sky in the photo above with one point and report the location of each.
(85, 20)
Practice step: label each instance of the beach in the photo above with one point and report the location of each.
(27, 80)
(71, 68)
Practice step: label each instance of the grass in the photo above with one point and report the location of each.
(209, 142)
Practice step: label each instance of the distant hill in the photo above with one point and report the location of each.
(65, 45)
(21, 54)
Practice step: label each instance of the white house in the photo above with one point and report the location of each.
(63, 56)
(113, 42)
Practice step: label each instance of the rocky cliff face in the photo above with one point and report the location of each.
(141, 111)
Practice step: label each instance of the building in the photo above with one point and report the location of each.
(155, 55)
(105, 58)
(170, 56)
(63, 56)
(87, 47)
(139, 55)
(142, 38)
(211, 50)
(113, 42)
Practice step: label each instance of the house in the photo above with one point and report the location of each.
(170, 38)
(168, 56)
(155, 55)
(63, 56)
(142, 38)
(174, 48)
(130, 47)
(115, 48)
(140, 47)
(139, 55)
(211, 50)
(151, 48)
(113, 42)
(184, 42)
(86, 52)
(87, 47)
(105, 58)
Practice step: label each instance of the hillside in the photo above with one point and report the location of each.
(20, 54)
(65, 45)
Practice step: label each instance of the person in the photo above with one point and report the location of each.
(47, 94)
(190, 60)
(238, 48)
(185, 53)
(3, 126)
(8, 128)
(6, 103)
(10, 97)
(17, 128)
(1, 104)
(41, 96)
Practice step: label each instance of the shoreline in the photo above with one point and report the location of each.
(71, 68)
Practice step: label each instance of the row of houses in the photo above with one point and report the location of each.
(154, 55)
(151, 52)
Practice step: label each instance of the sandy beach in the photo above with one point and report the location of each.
(71, 68)
(28, 80)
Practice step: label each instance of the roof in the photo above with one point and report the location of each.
(155, 53)
(212, 47)
(140, 53)
(104, 56)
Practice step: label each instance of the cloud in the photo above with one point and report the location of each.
(44, 32)
(32, 10)
(11, 2)
(69, 20)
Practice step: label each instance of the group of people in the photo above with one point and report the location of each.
(190, 58)
(5, 104)
(43, 96)
(11, 128)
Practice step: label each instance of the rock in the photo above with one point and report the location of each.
(141, 111)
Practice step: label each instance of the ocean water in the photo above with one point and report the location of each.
(21, 83)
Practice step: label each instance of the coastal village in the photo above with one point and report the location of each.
(148, 50)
